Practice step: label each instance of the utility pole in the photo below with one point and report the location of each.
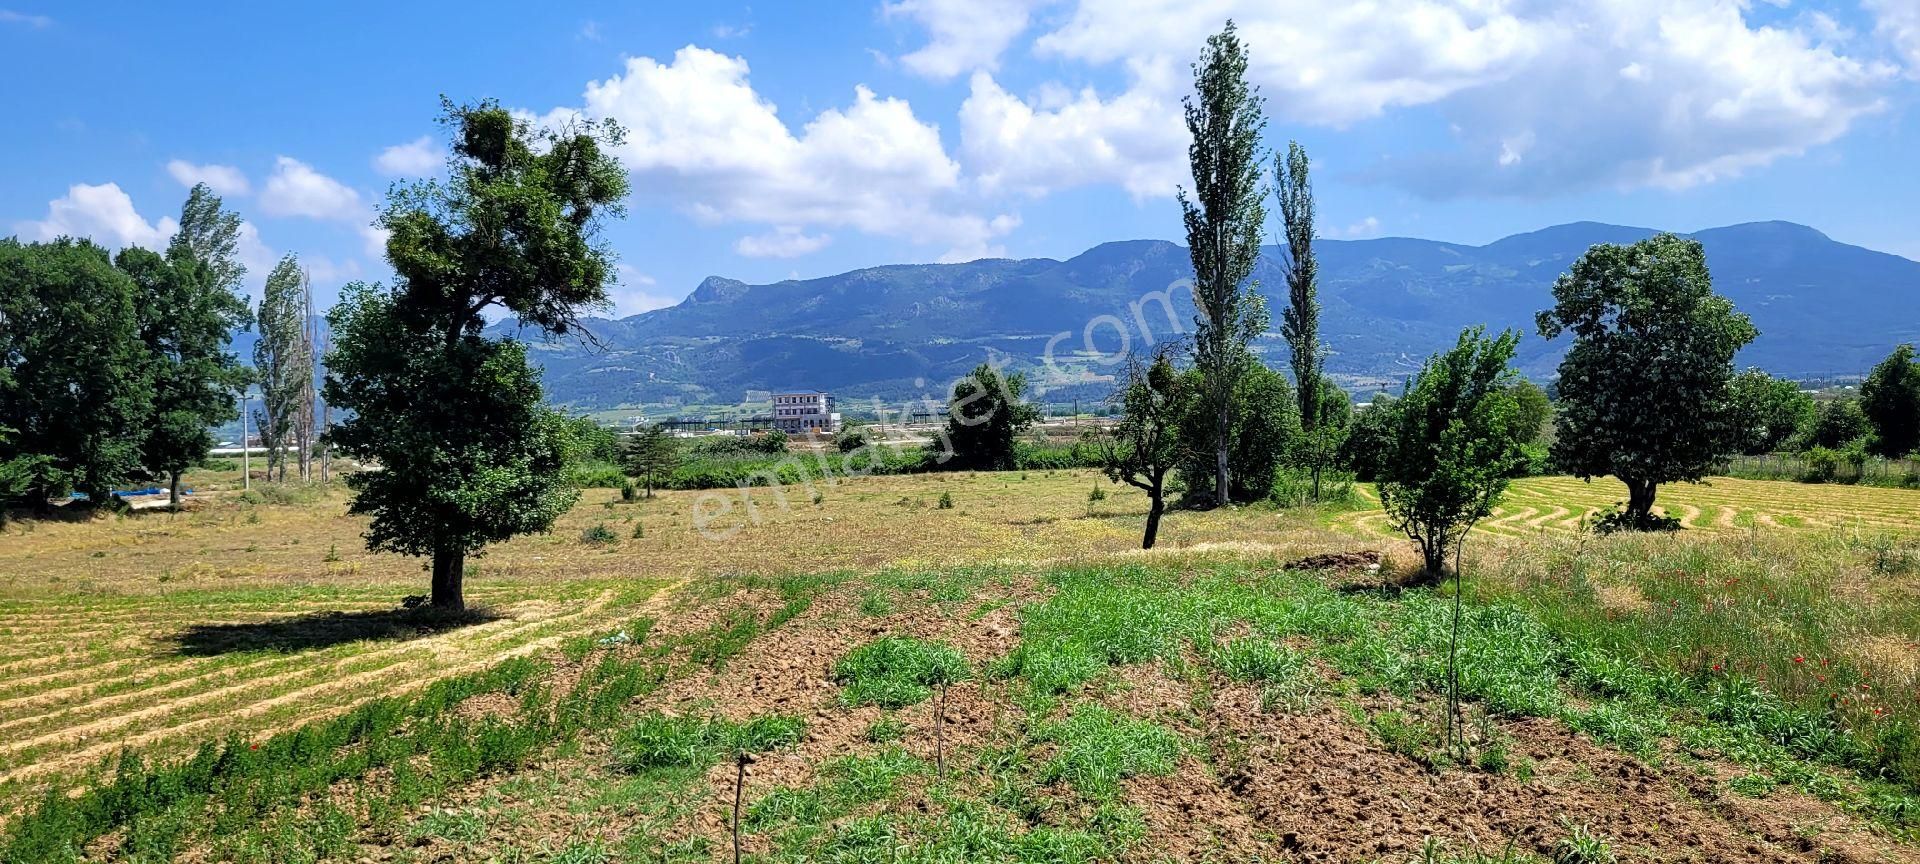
(246, 465)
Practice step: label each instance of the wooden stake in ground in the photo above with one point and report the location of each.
(939, 737)
(740, 761)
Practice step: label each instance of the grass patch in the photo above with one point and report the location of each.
(661, 741)
(897, 671)
(1098, 748)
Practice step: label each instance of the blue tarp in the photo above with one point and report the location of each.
(133, 493)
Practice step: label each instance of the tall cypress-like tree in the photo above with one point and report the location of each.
(1300, 321)
(470, 454)
(282, 361)
(1224, 217)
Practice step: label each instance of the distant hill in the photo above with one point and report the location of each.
(904, 331)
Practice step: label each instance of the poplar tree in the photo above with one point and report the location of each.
(1300, 321)
(282, 361)
(1224, 218)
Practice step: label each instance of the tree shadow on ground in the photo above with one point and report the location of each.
(323, 630)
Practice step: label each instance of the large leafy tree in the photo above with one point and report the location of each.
(73, 383)
(1300, 321)
(1452, 442)
(1890, 397)
(1224, 217)
(469, 454)
(187, 309)
(282, 360)
(1767, 411)
(1644, 392)
(1145, 446)
(985, 417)
(1836, 424)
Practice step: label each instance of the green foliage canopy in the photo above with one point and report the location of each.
(1644, 392)
(1890, 399)
(1454, 442)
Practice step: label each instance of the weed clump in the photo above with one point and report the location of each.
(662, 741)
(897, 671)
(1099, 748)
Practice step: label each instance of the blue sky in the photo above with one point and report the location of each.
(806, 139)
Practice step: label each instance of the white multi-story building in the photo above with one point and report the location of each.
(805, 412)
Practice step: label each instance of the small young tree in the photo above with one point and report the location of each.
(985, 417)
(1644, 390)
(1224, 218)
(1454, 444)
(1890, 398)
(469, 453)
(651, 451)
(1144, 447)
(1300, 321)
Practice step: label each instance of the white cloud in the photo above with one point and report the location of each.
(786, 241)
(1133, 139)
(416, 158)
(963, 35)
(37, 22)
(102, 212)
(1368, 227)
(295, 189)
(590, 31)
(1898, 22)
(700, 137)
(1542, 99)
(731, 31)
(222, 179)
(634, 292)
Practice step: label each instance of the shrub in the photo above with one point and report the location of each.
(598, 534)
(897, 671)
(946, 500)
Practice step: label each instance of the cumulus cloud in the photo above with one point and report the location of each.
(1619, 92)
(1059, 141)
(295, 189)
(222, 179)
(416, 158)
(700, 137)
(962, 35)
(102, 212)
(786, 241)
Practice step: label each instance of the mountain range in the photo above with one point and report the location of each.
(906, 331)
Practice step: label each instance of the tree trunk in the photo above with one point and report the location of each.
(173, 490)
(1224, 429)
(1639, 499)
(449, 566)
(1159, 506)
(1435, 556)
